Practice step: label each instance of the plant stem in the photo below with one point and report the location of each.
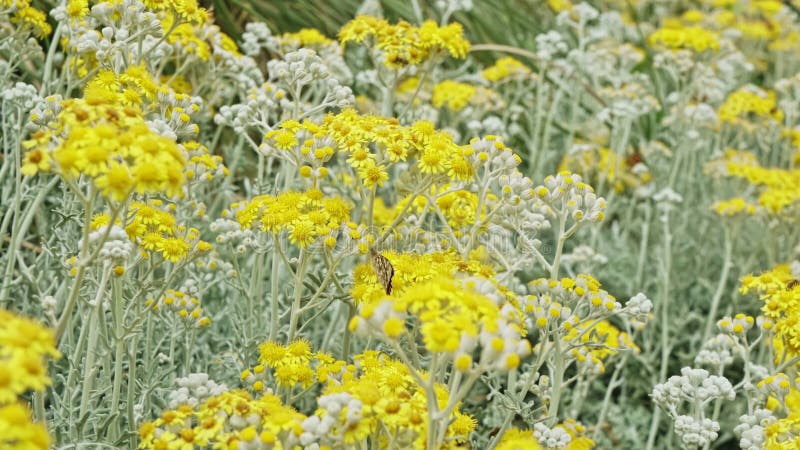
(723, 280)
(89, 367)
(298, 294)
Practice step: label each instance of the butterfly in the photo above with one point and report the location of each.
(383, 268)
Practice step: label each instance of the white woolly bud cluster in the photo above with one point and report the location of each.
(695, 432)
(194, 389)
(489, 125)
(716, 352)
(303, 67)
(680, 61)
(667, 198)
(585, 257)
(116, 23)
(116, 245)
(256, 36)
(751, 429)
(44, 112)
(516, 207)
(337, 413)
(551, 438)
(567, 194)
(695, 386)
(627, 102)
(550, 45)
(49, 304)
(259, 109)
(639, 307)
(22, 95)
(230, 231)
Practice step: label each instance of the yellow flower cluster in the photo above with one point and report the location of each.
(517, 439)
(554, 303)
(225, 421)
(459, 208)
(155, 229)
(403, 44)
(293, 364)
(185, 10)
(100, 137)
(307, 37)
(26, 17)
(746, 20)
(719, 166)
(605, 164)
(453, 318)
(452, 94)
(734, 206)
(356, 136)
(187, 307)
(506, 68)
(202, 165)
(194, 40)
(306, 216)
(747, 101)
(692, 38)
(595, 341)
(393, 406)
(411, 270)
(559, 5)
(784, 433)
(780, 188)
(24, 345)
(781, 304)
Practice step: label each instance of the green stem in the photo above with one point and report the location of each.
(274, 299)
(562, 223)
(665, 284)
(119, 353)
(91, 345)
(63, 321)
(723, 280)
(298, 294)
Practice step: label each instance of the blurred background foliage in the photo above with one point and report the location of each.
(510, 22)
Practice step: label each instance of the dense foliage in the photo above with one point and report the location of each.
(427, 231)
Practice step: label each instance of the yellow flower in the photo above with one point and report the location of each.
(373, 174)
(403, 44)
(516, 439)
(693, 38)
(173, 249)
(31, 19)
(505, 68)
(36, 160)
(452, 94)
(749, 100)
(302, 233)
(733, 207)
